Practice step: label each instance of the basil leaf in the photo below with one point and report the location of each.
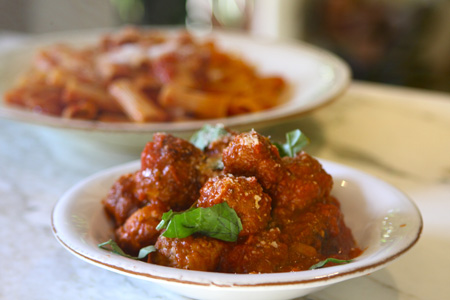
(208, 134)
(280, 149)
(218, 221)
(322, 263)
(295, 142)
(146, 251)
(114, 248)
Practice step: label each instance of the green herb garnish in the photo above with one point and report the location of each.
(114, 248)
(218, 221)
(295, 142)
(208, 134)
(322, 263)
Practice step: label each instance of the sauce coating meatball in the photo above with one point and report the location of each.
(339, 240)
(260, 253)
(303, 183)
(244, 194)
(317, 234)
(121, 200)
(139, 230)
(251, 154)
(192, 253)
(169, 172)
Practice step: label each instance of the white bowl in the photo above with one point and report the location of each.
(384, 222)
(315, 78)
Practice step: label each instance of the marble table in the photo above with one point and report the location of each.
(400, 135)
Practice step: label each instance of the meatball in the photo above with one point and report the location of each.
(169, 172)
(317, 234)
(121, 200)
(251, 154)
(339, 240)
(301, 257)
(303, 183)
(213, 164)
(139, 230)
(216, 147)
(192, 253)
(307, 228)
(244, 194)
(261, 253)
(304, 235)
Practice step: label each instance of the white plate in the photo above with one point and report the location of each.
(315, 77)
(384, 222)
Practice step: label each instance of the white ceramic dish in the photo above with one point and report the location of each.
(384, 222)
(315, 77)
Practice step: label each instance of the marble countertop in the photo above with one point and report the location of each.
(397, 134)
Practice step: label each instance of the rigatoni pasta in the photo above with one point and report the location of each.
(134, 102)
(204, 105)
(137, 75)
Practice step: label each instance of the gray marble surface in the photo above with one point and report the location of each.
(399, 135)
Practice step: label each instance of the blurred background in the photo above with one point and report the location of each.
(401, 42)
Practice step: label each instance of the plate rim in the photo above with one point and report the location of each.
(341, 82)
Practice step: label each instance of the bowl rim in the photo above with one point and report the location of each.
(283, 280)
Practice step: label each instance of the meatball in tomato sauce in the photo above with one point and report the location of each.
(169, 172)
(251, 154)
(316, 234)
(121, 200)
(244, 194)
(139, 230)
(192, 253)
(303, 183)
(259, 253)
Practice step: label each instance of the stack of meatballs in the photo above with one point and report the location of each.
(289, 219)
